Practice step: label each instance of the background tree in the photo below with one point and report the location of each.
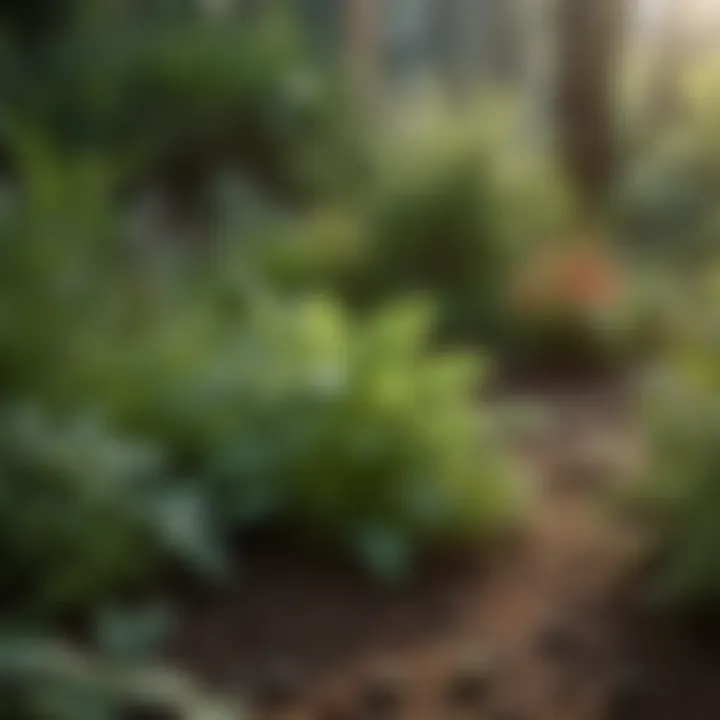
(588, 49)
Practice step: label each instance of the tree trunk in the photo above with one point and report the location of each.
(589, 43)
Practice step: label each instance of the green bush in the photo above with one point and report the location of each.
(351, 431)
(42, 680)
(684, 481)
(71, 521)
(56, 267)
(665, 207)
(322, 250)
(456, 203)
(87, 510)
(86, 514)
(687, 495)
(262, 410)
(575, 307)
(175, 97)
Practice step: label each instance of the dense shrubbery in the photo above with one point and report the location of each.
(259, 406)
(667, 226)
(666, 208)
(326, 249)
(156, 401)
(350, 430)
(685, 479)
(75, 510)
(573, 308)
(684, 483)
(467, 211)
(448, 206)
(456, 208)
(47, 681)
(86, 509)
(455, 204)
(681, 402)
(159, 400)
(175, 96)
(142, 408)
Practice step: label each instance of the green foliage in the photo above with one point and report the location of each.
(85, 513)
(455, 204)
(687, 492)
(326, 250)
(177, 96)
(666, 209)
(41, 680)
(254, 409)
(578, 309)
(351, 431)
(684, 483)
(55, 265)
(153, 402)
(70, 499)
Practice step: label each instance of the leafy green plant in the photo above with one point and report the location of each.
(684, 483)
(665, 207)
(176, 96)
(685, 493)
(456, 203)
(57, 264)
(262, 409)
(43, 680)
(87, 510)
(254, 409)
(87, 514)
(352, 431)
(319, 251)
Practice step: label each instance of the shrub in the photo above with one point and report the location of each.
(665, 207)
(176, 96)
(86, 514)
(269, 409)
(42, 680)
(259, 410)
(86, 510)
(686, 471)
(684, 482)
(571, 308)
(351, 431)
(56, 266)
(323, 250)
(456, 203)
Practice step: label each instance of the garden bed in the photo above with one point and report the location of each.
(548, 627)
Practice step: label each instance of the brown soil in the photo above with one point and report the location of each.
(546, 629)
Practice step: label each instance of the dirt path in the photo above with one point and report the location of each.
(531, 633)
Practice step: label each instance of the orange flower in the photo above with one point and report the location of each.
(580, 277)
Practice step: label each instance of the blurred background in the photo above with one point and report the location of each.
(358, 359)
